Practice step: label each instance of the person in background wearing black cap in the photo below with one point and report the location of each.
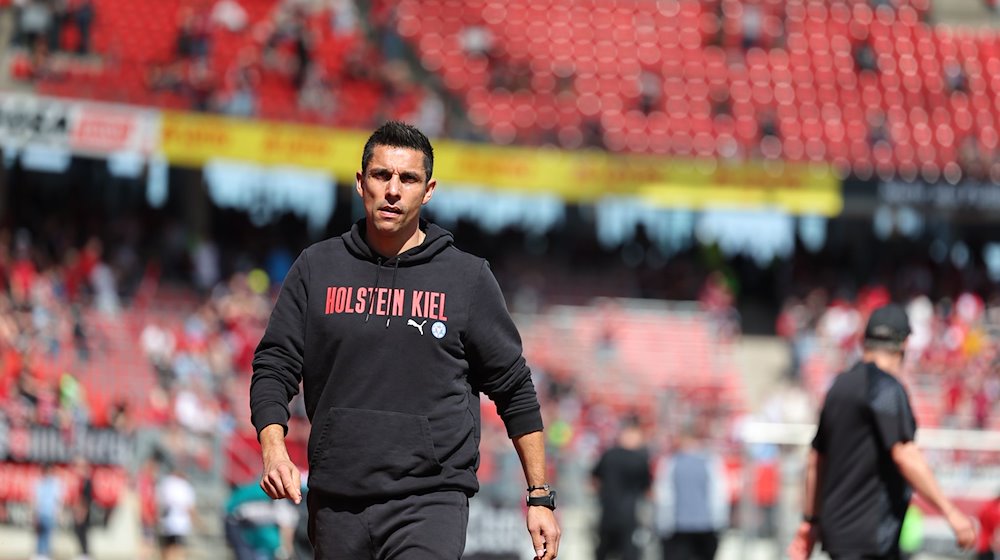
(864, 462)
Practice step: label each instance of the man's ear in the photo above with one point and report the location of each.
(429, 193)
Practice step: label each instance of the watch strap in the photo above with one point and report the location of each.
(548, 501)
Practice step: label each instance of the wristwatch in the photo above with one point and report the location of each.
(548, 500)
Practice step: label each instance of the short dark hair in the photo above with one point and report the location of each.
(399, 135)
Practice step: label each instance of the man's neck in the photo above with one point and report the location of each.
(889, 362)
(392, 246)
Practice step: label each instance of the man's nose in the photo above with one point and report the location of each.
(393, 188)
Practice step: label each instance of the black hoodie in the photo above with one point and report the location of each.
(392, 355)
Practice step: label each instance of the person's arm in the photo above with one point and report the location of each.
(806, 536)
(814, 472)
(498, 369)
(541, 520)
(917, 472)
(277, 372)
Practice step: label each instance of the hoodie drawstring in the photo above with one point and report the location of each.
(371, 293)
(392, 290)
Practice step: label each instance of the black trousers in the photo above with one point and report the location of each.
(616, 542)
(81, 531)
(690, 546)
(424, 527)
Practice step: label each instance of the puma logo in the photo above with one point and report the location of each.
(419, 326)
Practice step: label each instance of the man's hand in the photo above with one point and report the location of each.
(802, 544)
(961, 525)
(281, 477)
(544, 532)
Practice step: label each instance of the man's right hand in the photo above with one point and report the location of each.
(281, 477)
(962, 526)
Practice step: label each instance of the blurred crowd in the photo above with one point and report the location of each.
(308, 60)
(70, 331)
(344, 63)
(46, 27)
(952, 356)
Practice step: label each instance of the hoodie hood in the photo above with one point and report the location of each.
(436, 239)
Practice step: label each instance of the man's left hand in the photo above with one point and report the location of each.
(544, 530)
(802, 544)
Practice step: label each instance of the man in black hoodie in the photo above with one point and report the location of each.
(393, 333)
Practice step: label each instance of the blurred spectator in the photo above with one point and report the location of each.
(717, 299)
(988, 542)
(955, 78)
(105, 287)
(878, 132)
(206, 271)
(911, 536)
(81, 338)
(972, 159)
(317, 96)
(48, 500)
(145, 483)
(766, 477)
(176, 500)
(257, 527)
(82, 12)
(201, 85)
(430, 114)
(954, 389)
(35, 23)
(622, 477)
(240, 96)
(166, 77)
(83, 506)
(864, 57)
(72, 402)
(383, 21)
(59, 10)
(476, 40)
(650, 91)
(289, 44)
(690, 498)
(982, 406)
(195, 409)
(344, 17)
(229, 15)
(753, 25)
(192, 37)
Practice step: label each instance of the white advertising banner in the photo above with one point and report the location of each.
(82, 127)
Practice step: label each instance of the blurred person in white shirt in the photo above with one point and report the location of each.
(176, 498)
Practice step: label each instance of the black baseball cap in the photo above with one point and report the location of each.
(888, 325)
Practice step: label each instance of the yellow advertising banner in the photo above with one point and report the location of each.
(578, 176)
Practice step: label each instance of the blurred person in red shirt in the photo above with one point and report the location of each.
(954, 392)
(989, 520)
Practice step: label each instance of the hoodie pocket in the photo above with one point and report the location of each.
(366, 453)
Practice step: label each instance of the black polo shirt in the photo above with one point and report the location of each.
(863, 495)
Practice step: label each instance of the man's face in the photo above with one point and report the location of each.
(394, 187)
